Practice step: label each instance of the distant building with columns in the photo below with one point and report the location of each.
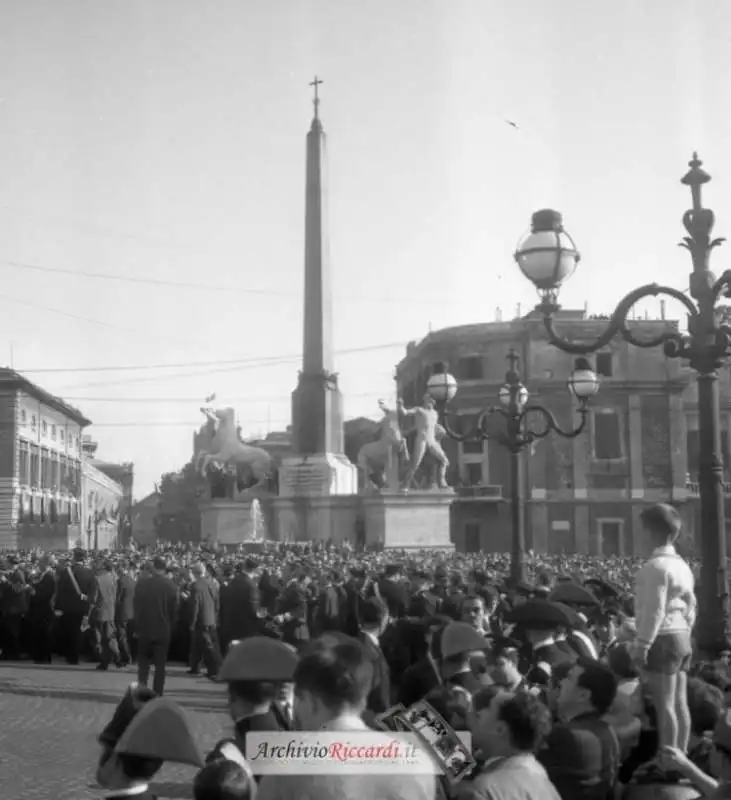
(583, 495)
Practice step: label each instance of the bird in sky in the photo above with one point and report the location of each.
(512, 124)
(210, 398)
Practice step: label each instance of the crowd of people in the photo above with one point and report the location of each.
(575, 683)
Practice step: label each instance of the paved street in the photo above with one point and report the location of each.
(50, 718)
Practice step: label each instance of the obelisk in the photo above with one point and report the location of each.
(318, 467)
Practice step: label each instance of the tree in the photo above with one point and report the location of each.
(357, 432)
(178, 517)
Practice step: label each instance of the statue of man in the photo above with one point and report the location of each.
(426, 422)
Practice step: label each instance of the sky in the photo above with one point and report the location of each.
(152, 185)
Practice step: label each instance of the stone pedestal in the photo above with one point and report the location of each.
(317, 519)
(320, 475)
(228, 522)
(414, 519)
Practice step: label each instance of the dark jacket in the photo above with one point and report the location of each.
(68, 599)
(205, 602)
(379, 698)
(582, 758)
(44, 595)
(418, 680)
(239, 609)
(125, 598)
(393, 595)
(155, 608)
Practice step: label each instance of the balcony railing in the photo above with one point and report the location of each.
(694, 488)
(490, 493)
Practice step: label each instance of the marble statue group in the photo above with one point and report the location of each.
(383, 461)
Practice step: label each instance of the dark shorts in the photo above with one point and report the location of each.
(670, 653)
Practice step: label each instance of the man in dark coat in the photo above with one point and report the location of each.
(155, 609)
(241, 603)
(204, 623)
(374, 618)
(103, 612)
(75, 585)
(125, 613)
(393, 592)
(42, 603)
(293, 609)
(355, 595)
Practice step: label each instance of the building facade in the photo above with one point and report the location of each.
(107, 500)
(40, 466)
(584, 494)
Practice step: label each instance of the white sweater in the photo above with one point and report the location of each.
(664, 596)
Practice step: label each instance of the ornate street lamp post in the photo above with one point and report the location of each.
(518, 433)
(547, 256)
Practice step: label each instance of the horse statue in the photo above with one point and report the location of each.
(225, 449)
(388, 451)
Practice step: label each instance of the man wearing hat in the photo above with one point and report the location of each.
(423, 602)
(240, 604)
(75, 585)
(41, 610)
(354, 597)
(392, 591)
(155, 612)
(144, 733)
(458, 644)
(255, 670)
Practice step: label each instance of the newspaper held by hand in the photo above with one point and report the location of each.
(442, 742)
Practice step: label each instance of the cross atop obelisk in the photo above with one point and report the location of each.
(316, 99)
(317, 467)
(317, 412)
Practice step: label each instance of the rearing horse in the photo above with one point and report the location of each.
(375, 458)
(226, 448)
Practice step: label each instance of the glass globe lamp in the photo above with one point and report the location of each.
(505, 395)
(442, 387)
(583, 382)
(547, 255)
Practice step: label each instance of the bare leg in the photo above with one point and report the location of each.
(663, 690)
(682, 712)
(443, 464)
(419, 452)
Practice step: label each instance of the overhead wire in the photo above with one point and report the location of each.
(244, 360)
(211, 287)
(268, 362)
(101, 323)
(152, 400)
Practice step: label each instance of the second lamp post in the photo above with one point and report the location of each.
(518, 432)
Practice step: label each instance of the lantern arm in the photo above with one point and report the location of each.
(721, 286)
(470, 435)
(618, 323)
(529, 434)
